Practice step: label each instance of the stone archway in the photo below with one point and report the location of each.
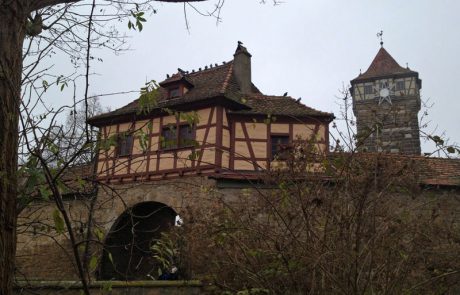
(129, 241)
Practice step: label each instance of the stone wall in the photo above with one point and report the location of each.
(388, 127)
(43, 254)
(111, 287)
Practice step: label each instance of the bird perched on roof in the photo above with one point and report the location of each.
(298, 99)
(181, 71)
(240, 43)
(285, 94)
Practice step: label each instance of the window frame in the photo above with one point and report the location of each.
(172, 89)
(368, 87)
(125, 144)
(176, 128)
(284, 146)
(398, 83)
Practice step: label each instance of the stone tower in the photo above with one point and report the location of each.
(386, 102)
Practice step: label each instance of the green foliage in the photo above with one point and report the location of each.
(442, 145)
(45, 85)
(194, 155)
(270, 119)
(93, 263)
(107, 288)
(106, 144)
(253, 291)
(164, 252)
(148, 99)
(58, 221)
(192, 117)
(45, 192)
(138, 17)
(143, 140)
(99, 234)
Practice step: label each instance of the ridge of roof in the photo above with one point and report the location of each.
(200, 70)
(227, 79)
(383, 64)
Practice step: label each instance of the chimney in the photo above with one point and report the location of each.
(242, 68)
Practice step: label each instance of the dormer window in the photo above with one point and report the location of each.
(177, 85)
(175, 92)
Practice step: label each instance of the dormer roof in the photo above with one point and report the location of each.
(383, 65)
(178, 78)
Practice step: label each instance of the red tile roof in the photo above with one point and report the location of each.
(383, 65)
(213, 83)
(280, 106)
(441, 171)
(427, 170)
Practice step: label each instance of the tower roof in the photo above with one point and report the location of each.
(383, 65)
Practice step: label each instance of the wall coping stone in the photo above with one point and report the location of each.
(31, 284)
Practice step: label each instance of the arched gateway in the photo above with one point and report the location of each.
(130, 239)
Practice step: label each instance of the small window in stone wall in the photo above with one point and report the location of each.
(124, 145)
(368, 89)
(400, 85)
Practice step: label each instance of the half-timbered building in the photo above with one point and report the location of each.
(235, 128)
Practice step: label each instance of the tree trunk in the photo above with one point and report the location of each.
(12, 29)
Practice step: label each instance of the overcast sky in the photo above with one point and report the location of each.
(308, 48)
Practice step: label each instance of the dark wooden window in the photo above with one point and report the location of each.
(172, 138)
(169, 137)
(400, 85)
(186, 135)
(174, 92)
(279, 146)
(368, 89)
(124, 145)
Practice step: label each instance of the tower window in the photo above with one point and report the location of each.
(400, 85)
(368, 89)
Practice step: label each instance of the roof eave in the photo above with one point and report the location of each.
(385, 76)
(221, 99)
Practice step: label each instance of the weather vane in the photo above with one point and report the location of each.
(380, 35)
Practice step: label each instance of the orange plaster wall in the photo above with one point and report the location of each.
(303, 131)
(138, 165)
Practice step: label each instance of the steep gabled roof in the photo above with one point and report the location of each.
(209, 83)
(383, 65)
(216, 84)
